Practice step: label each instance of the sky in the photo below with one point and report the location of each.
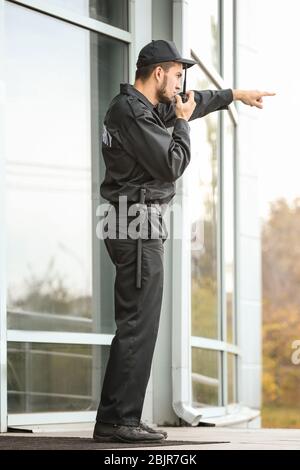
(279, 71)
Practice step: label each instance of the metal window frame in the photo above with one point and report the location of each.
(54, 337)
(76, 19)
(218, 81)
(53, 417)
(222, 241)
(236, 212)
(3, 323)
(234, 120)
(220, 345)
(49, 337)
(58, 337)
(214, 345)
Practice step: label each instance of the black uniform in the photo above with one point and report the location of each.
(139, 152)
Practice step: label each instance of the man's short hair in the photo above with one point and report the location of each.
(143, 73)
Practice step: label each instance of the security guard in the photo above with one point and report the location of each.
(143, 161)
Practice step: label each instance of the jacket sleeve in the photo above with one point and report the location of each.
(163, 156)
(207, 101)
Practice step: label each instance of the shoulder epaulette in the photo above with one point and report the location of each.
(136, 106)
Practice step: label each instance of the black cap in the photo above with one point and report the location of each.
(161, 51)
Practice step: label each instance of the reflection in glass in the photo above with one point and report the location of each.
(205, 377)
(228, 230)
(202, 177)
(66, 72)
(54, 377)
(231, 372)
(113, 12)
(204, 31)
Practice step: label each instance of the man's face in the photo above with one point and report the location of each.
(169, 83)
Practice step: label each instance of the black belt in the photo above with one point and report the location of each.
(139, 239)
(130, 203)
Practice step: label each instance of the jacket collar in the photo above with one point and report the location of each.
(127, 89)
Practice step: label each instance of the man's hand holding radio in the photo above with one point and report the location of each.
(185, 110)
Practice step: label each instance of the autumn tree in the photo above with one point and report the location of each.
(281, 302)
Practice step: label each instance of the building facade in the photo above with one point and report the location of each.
(61, 63)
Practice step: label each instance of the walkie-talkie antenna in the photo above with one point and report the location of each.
(184, 98)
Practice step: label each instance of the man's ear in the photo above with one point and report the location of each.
(158, 72)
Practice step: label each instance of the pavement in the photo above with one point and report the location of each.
(179, 438)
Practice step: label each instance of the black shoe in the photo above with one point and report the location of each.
(105, 432)
(147, 428)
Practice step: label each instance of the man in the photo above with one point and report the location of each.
(140, 154)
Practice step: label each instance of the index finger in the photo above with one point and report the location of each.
(267, 93)
(178, 100)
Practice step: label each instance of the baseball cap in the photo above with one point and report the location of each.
(161, 51)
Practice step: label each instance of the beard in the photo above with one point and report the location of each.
(161, 93)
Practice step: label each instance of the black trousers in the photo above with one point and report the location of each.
(137, 314)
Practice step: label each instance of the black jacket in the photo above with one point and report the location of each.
(139, 151)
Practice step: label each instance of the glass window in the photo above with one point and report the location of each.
(204, 31)
(54, 377)
(113, 12)
(68, 76)
(231, 378)
(203, 187)
(228, 227)
(206, 377)
(202, 176)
